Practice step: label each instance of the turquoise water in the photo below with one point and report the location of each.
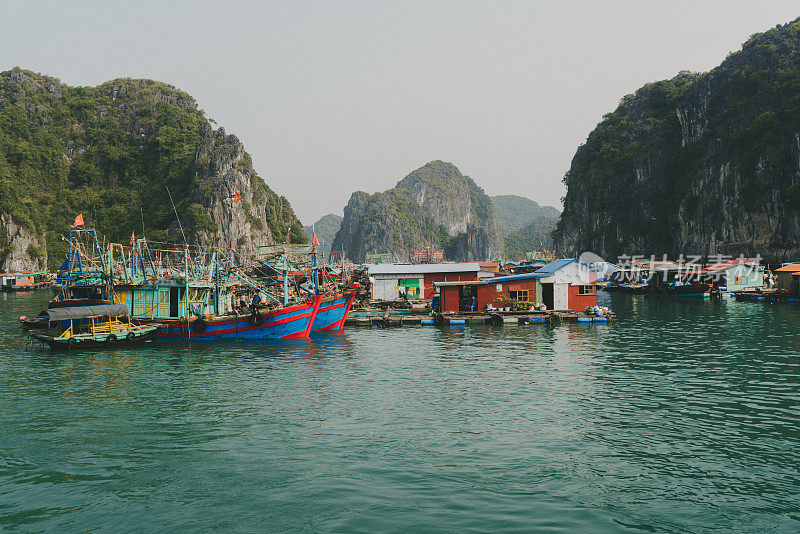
(681, 416)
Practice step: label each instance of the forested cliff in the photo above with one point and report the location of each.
(699, 164)
(112, 152)
(434, 205)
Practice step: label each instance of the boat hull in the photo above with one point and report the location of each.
(285, 323)
(79, 343)
(333, 312)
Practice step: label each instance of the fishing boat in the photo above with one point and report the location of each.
(333, 310)
(680, 289)
(107, 325)
(195, 296)
(283, 322)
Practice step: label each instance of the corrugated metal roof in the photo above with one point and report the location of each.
(554, 266)
(425, 268)
(512, 277)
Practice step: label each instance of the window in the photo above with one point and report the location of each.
(738, 280)
(521, 296)
(586, 290)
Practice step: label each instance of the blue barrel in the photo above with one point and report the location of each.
(584, 319)
(599, 319)
(427, 321)
(457, 321)
(536, 319)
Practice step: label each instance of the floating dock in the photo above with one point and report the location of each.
(765, 296)
(385, 319)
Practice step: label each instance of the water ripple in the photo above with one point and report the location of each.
(682, 416)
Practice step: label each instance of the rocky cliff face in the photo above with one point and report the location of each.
(113, 153)
(223, 168)
(433, 206)
(20, 249)
(700, 164)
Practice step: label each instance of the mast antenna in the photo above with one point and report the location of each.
(176, 216)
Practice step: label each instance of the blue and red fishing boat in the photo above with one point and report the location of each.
(333, 311)
(289, 322)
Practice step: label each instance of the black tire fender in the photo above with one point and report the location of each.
(72, 341)
(256, 319)
(199, 325)
(130, 336)
(111, 338)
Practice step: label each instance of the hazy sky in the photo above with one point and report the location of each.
(330, 97)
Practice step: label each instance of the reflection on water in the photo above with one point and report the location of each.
(681, 416)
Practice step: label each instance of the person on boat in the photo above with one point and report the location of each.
(435, 302)
(256, 301)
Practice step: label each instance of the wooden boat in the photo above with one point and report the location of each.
(614, 287)
(333, 310)
(95, 327)
(689, 290)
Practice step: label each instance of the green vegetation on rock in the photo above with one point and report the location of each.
(699, 164)
(514, 212)
(110, 152)
(434, 206)
(536, 235)
(326, 228)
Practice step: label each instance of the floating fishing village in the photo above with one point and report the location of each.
(371, 267)
(109, 294)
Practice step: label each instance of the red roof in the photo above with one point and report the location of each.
(721, 266)
(791, 268)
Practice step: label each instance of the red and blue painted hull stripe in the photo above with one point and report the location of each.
(292, 322)
(333, 313)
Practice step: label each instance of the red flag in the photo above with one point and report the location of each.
(78, 220)
(237, 197)
(314, 240)
(131, 238)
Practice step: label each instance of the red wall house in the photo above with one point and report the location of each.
(561, 285)
(485, 292)
(579, 302)
(430, 278)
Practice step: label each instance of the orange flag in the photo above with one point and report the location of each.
(132, 238)
(78, 220)
(314, 240)
(237, 197)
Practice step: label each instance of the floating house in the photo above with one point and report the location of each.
(390, 281)
(566, 284)
(17, 279)
(784, 276)
(737, 275)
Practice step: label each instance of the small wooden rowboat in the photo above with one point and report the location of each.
(95, 326)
